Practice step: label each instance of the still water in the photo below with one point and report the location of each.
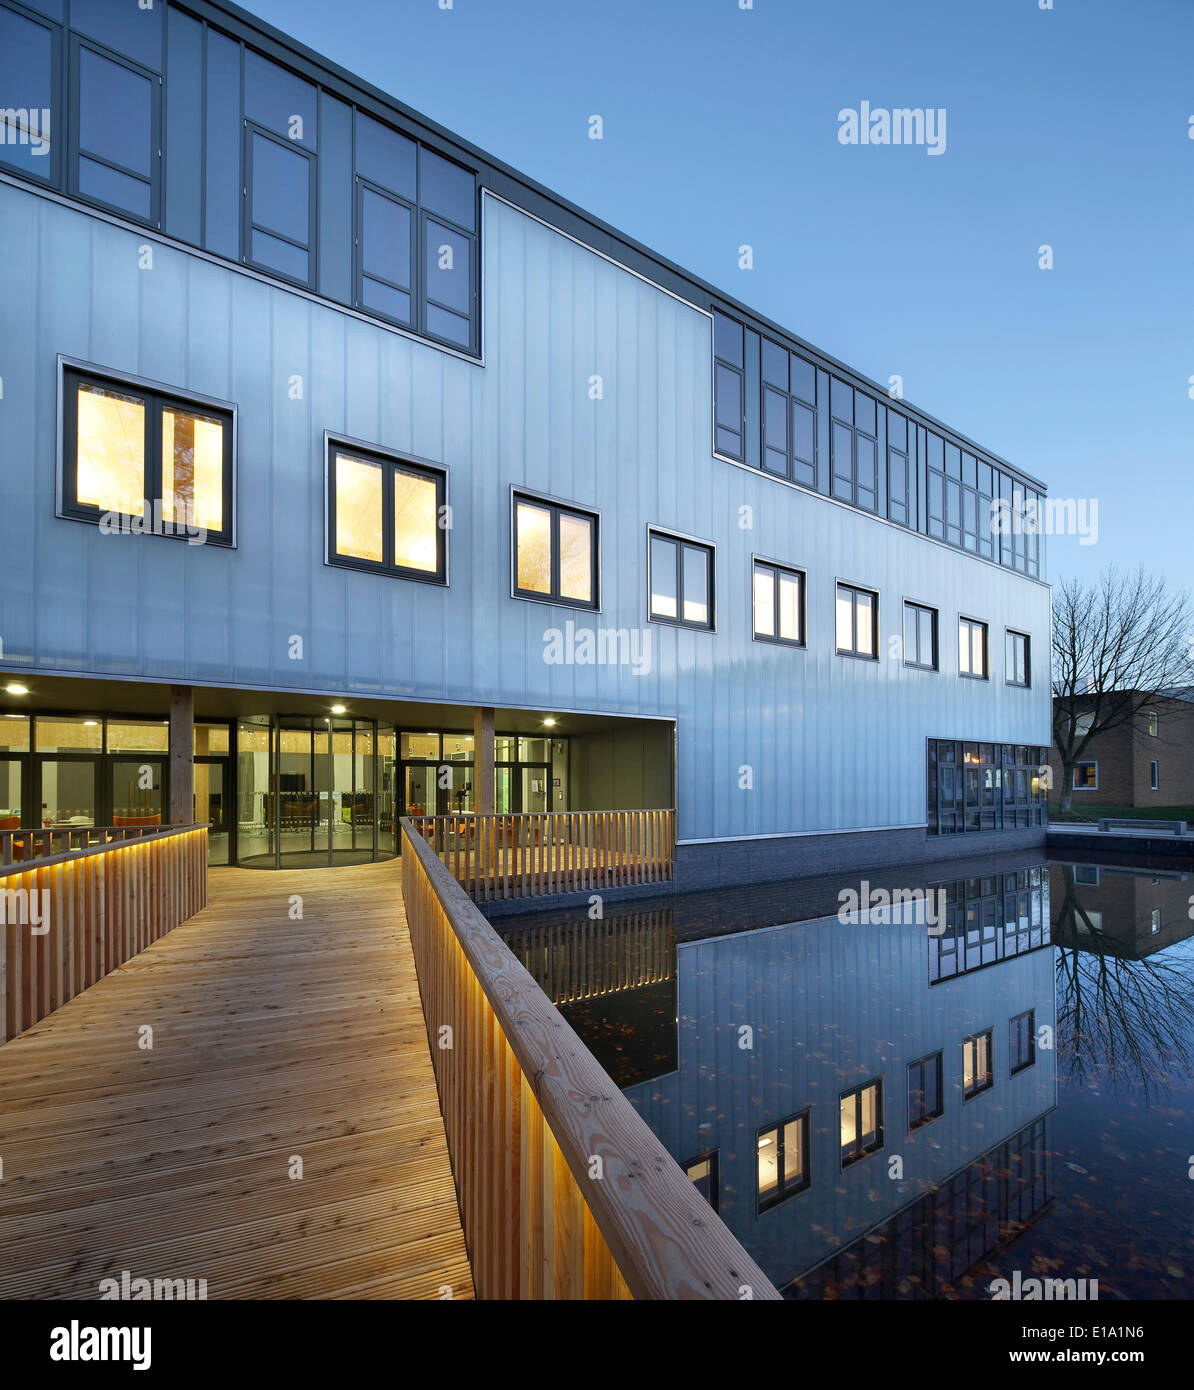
(992, 1077)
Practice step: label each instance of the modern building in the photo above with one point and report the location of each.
(1147, 761)
(342, 463)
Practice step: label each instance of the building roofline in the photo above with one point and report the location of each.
(551, 207)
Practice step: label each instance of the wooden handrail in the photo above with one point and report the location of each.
(54, 844)
(564, 1191)
(546, 852)
(68, 918)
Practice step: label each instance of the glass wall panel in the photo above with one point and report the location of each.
(111, 450)
(192, 469)
(55, 734)
(136, 736)
(14, 733)
(69, 791)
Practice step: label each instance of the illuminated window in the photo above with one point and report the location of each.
(857, 622)
(972, 648)
(680, 580)
(555, 553)
(703, 1173)
(1086, 777)
(384, 515)
(778, 604)
(861, 1122)
(136, 460)
(976, 1064)
(1151, 717)
(782, 1160)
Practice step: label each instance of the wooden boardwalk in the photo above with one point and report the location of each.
(273, 1040)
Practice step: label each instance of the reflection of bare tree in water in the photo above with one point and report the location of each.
(1129, 1021)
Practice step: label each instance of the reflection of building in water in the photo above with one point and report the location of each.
(613, 980)
(813, 1055)
(1120, 911)
(989, 918)
(924, 1249)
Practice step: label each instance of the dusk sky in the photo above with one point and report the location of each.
(1069, 127)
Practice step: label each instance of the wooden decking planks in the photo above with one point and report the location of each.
(272, 1038)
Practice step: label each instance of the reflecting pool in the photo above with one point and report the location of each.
(909, 1083)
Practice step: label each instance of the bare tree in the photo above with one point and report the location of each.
(1118, 644)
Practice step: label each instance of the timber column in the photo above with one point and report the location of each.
(182, 760)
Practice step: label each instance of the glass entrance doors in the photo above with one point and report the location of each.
(314, 792)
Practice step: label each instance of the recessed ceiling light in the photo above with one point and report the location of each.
(338, 709)
(90, 723)
(549, 722)
(16, 688)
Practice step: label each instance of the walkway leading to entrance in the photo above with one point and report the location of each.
(274, 1040)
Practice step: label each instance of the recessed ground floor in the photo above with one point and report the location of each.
(293, 781)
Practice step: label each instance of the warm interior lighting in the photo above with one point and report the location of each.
(534, 548)
(576, 558)
(358, 509)
(111, 451)
(192, 470)
(90, 723)
(416, 520)
(339, 709)
(550, 723)
(15, 688)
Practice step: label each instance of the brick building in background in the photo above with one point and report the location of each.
(1148, 762)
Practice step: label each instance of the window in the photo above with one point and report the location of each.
(1152, 723)
(853, 447)
(901, 504)
(702, 1171)
(925, 1099)
(778, 604)
(1154, 921)
(976, 1064)
(789, 414)
(1086, 777)
(861, 1122)
(1016, 658)
(729, 391)
(1021, 1042)
(857, 622)
(782, 1160)
(920, 636)
(384, 514)
(972, 648)
(280, 206)
(28, 69)
(118, 132)
(135, 459)
(1152, 776)
(985, 786)
(680, 578)
(555, 553)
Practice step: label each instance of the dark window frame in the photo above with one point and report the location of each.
(76, 43)
(1086, 786)
(739, 371)
(934, 613)
(556, 507)
(985, 628)
(784, 1188)
(1027, 1055)
(156, 397)
(391, 463)
(361, 186)
(1011, 637)
(860, 1151)
(854, 590)
(759, 562)
(979, 1087)
(711, 1157)
(59, 155)
(925, 1115)
(681, 543)
(249, 129)
(1154, 775)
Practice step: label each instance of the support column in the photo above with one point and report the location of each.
(483, 759)
(182, 760)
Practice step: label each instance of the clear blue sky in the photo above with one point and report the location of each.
(1067, 127)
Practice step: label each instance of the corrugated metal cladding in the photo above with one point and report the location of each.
(832, 743)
